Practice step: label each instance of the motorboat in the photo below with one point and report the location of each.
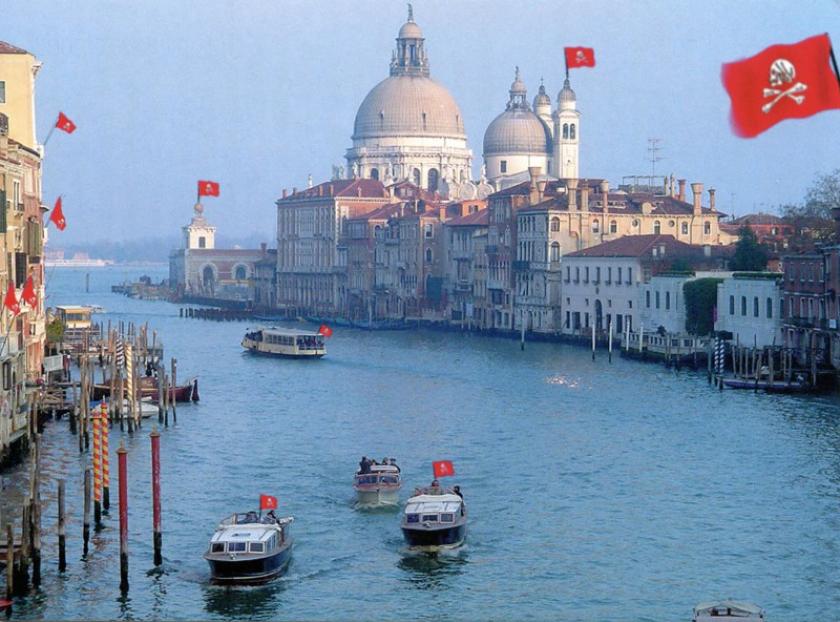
(250, 548)
(285, 342)
(435, 519)
(379, 485)
(723, 610)
(187, 392)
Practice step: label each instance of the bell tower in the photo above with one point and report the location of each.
(199, 234)
(566, 134)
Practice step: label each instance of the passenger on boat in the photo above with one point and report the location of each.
(393, 463)
(435, 488)
(364, 465)
(270, 517)
(457, 491)
(251, 517)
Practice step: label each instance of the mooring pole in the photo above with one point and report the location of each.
(593, 341)
(96, 426)
(62, 538)
(86, 520)
(106, 469)
(155, 438)
(123, 476)
(609, 356)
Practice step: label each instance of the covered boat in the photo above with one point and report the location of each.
(285, 342)
(187, 392)
(378, 484)
(435, 519)
(249, 548)
(727, 610)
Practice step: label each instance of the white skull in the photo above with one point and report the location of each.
(781, 72)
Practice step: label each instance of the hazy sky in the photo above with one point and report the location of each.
(257, 94)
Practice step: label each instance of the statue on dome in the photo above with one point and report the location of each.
(484, 173)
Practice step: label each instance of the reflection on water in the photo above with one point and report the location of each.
(427, 571)
(242, 602)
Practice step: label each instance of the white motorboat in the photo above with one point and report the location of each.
(287, 342)
(379, 485)
(435, 519)
(250, 548)
(724, 610)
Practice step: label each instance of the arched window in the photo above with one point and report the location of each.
(572, 131)
(613, 226)
(684, 228)
(241, 273)
(415, 175)
(555, 224)
(208, 276)
(374, 173)
(555, 251)
(657, 227)
(428, 255)
(433, 179)
(596, 226)
(707, 227)
(565, 130)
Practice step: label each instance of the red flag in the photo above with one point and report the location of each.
(579, 57)
(208, 188)
(65, 124)
(267, 502)
(11, 302)
(28, 295)
(782, 82)
(57, 216)
(443, 468)
(325, 330)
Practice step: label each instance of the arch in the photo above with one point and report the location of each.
(240, 272)
(433, 177)
(374, 173)
(208, 276)
(415, 176)
(555, 223)
(613, 226)
(572, 131)
(555, 251)
(565, 130)
(428, 255)
(657, 227)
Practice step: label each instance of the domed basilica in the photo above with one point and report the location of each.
(409, 127)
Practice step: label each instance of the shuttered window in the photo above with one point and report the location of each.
(20, 269)
(2, 211)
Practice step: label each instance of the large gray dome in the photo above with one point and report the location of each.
(408, 105)
(517, 131)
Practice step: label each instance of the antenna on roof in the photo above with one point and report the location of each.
(410, 13)
(653, 149)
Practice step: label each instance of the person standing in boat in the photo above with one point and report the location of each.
(364, 465)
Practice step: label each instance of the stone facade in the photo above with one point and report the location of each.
(750, 307)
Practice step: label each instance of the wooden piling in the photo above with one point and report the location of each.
(156, 519)
(62, 539)
(36, 541)
(609, 356)
(593, 341)
(10, 561)
(123, 477)
(22, 580)
(161, 392)
(174, 367)
(86, 523)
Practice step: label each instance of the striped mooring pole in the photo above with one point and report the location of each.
(106, 472)
(96, 424)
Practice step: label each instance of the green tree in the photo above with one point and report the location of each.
(700, 299)
(55, 331)
(813, 220)
(750, 256)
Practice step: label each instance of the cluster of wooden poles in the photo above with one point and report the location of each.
(757, 363)
(219, 315)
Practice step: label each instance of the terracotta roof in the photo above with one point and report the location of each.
(406, 190)
(643, 245)
(8, 48)
(481, 217)
(370, 188)
(760, 218)
(624, 203)
(384, 212)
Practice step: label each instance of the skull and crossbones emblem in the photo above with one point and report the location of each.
(782, 73)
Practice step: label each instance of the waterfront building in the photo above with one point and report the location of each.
(310, 277)
(749, 305)
(770, 230)
(409, 126)
(465, 279)
(806, 326)
(265, 280)
(18, 69)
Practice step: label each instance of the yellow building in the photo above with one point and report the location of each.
(18, 69)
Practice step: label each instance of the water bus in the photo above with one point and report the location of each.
(250, 548)
(435, 519)
(285, 342)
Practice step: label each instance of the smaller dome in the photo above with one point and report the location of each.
(566, 94)
(410, 30)
(518, 86)
(542, 98)
(517, 131)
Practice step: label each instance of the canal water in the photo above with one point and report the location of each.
(596, 491)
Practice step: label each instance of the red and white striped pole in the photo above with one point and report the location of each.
(123, 475)
(106, 473)
(158, 538)
(97, 468)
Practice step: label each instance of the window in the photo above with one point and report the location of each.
(598, 274)
(586, 274)
(236, 546)
(217, 547)
(647, 299)
(657, 227)
(743, 305)
(428, 255)
(2, 92)
(596, 226)
(755, 306)
(555, 224)
(684, 228)
(256, 547)
(732, 305)
(572, 131)
(415, 175)
(635, 223)
(428, 231)
(202, 242)
(707, 227)
(241, 273)
(629, 276)
(434, 176)
(503, 166)
(769, 308)
(568, 274)
(667, 301)
(613, 226)
(412, 518)
(577, 274)
(374, 173)
(447, 518)
(609, 275)
(565, 130)
(555, 254)
(657, 299)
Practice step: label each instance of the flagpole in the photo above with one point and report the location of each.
(834, 63)
(49, 134)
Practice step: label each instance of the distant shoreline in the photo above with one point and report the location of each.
(105, 263)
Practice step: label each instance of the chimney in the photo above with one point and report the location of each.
(332, 189)
(681, 196)
(534, 196)
(605, 191)
(284, 193)
(572, 185)
(263, 246)
(673, 191)
(712, 199)
(584, 199)
(320, 190)
(294, 189)
(697, 191)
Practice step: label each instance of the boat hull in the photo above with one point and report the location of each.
(249, 570)
(431, 540)
(378, 496)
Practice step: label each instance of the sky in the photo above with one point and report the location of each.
(258, 94)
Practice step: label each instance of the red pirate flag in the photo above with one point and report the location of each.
(65, 124)
(325, 330)
(443, 468)
(11, 301)
(28, 295)
(267, 502)
(781, 82)
(208, 188)
(57, 216)
(579, 57)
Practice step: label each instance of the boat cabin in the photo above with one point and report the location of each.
(247, 533)
(443, 509)
(285, 342)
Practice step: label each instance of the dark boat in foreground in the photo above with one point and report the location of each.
(248, 548)
(770, 386)
(434, 520)
(148, 388)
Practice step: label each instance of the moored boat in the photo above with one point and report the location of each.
(723, 610)
(287, 342)
(435, 519)
(187, 392)
(378, 483)
(250, 548)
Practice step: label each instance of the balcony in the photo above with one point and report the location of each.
(491, 249)
(520, 265)
(463, 285)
